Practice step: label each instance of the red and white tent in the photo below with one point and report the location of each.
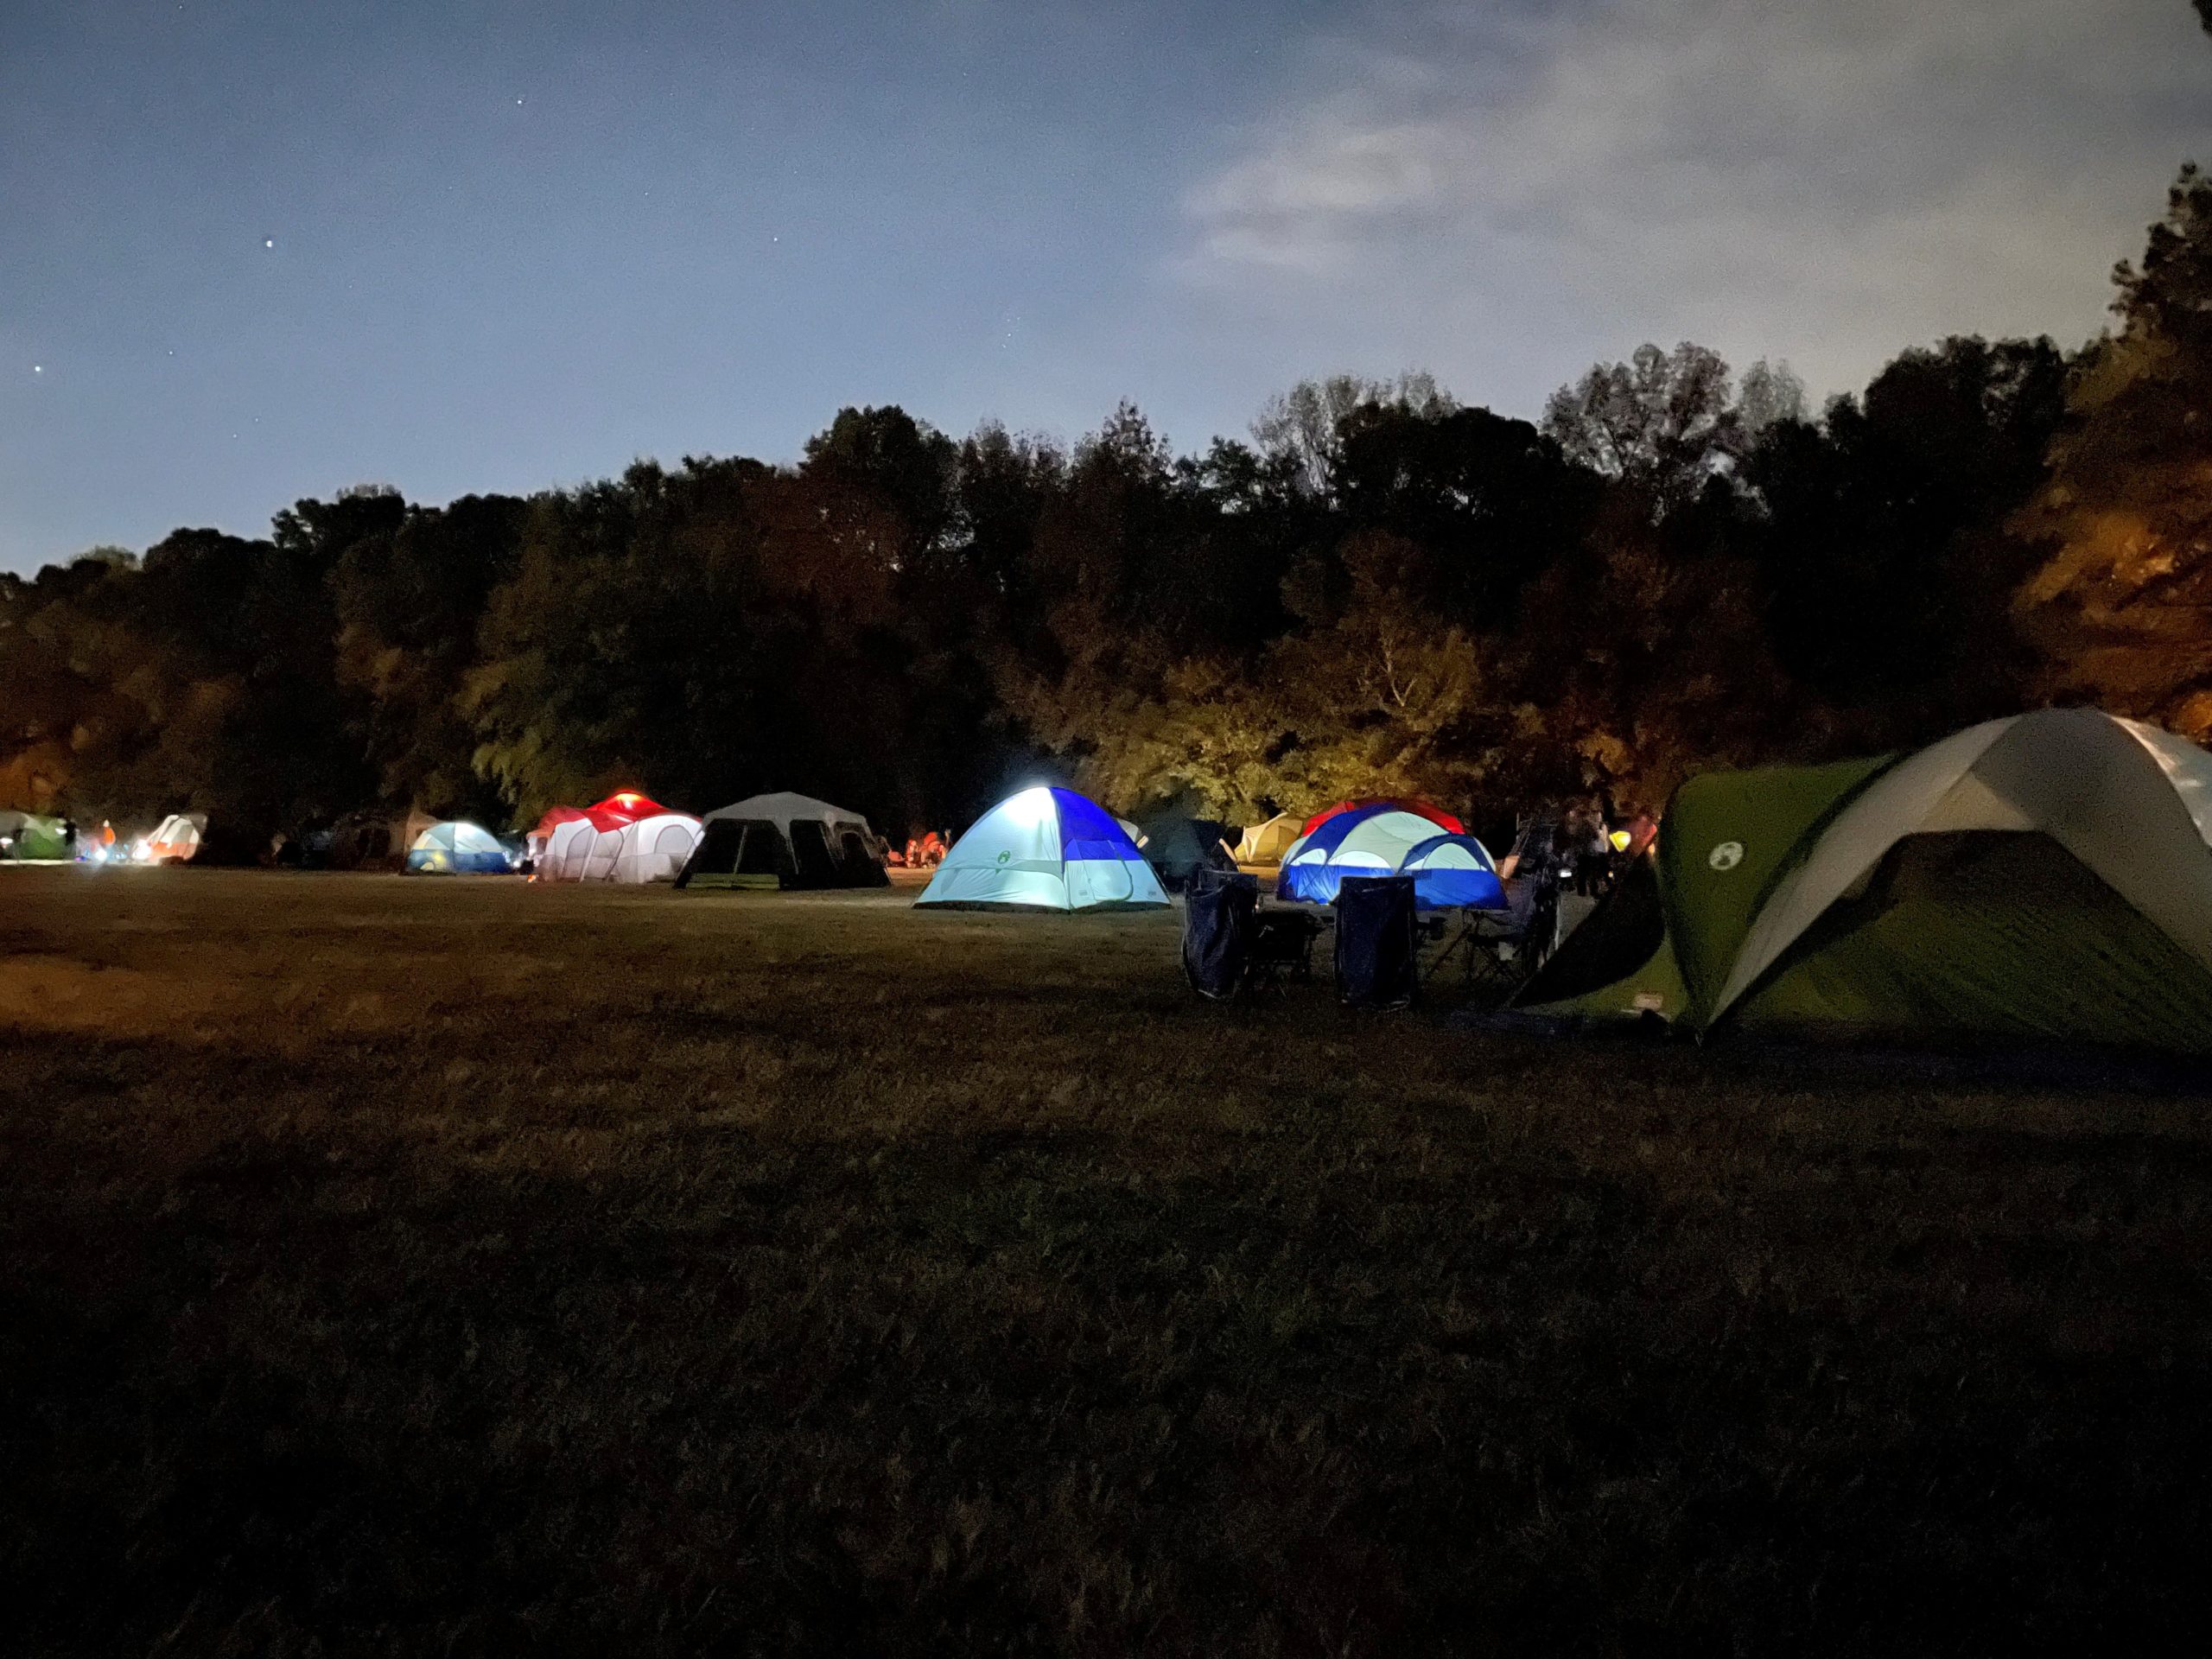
(629, 838)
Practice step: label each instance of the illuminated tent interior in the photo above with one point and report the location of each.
(177, 839)
(458, 848)
(1453, 873)
(1373, 839)
(584, 843)
(1046, 850)
(652, 848)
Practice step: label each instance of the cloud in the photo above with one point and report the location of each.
(1824, 179)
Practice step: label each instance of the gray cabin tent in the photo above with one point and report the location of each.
(783, 841)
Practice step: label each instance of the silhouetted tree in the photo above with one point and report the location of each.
(1882, 536)
(408, 600)
(1668, 421)
(1300, 428)
(1384, 592)
(2122, 610)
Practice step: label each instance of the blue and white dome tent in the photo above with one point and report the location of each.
(1371, 840)
(458, 848)
(1453, 873)
(1046, 850)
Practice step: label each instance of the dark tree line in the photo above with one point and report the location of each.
(1382, 592)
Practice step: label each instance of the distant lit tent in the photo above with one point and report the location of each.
(1046, 850)
(629, 805)
(653, 849)
(30, 837)
(624, 806)
(1373, 839)
(177, 839)
(458, 848)
(561, 857)
(567, 856)
(785, 840)
(1266, 844)
(1453, 873)
(540, 836)
(2042, 877)
(584, 843)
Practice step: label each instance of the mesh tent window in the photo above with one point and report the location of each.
(763, 847)
(817, 867)
(857, 865)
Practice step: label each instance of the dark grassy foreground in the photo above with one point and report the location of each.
(417, 1266)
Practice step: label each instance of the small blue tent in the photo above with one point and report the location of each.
(1046, 850)
(1453, 873)
(458, 848)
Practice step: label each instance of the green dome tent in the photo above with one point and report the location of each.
(2046, 877)
(29, 838)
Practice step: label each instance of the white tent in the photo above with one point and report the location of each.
(651, 850)
(1046, 850)
(600, 854)
(175, 839)
(566, 849)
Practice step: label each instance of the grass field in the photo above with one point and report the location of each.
(408, 1266)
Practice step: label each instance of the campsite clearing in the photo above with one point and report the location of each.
(408, 1266)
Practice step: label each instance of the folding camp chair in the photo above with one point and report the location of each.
(1378, 951)
(1504, 947)
(1218, 933)
(1283, 946)
(1230, 945)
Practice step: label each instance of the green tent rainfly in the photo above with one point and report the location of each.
(28, 838)
(2043, 877)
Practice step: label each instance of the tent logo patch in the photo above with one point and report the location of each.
(1727, 857)
(1003, 857)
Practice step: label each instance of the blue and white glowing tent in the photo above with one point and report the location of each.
(1046, 850)
(458, 848)
(1372, 840)
(1453, 873)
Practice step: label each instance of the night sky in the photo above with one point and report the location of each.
(253, 251)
